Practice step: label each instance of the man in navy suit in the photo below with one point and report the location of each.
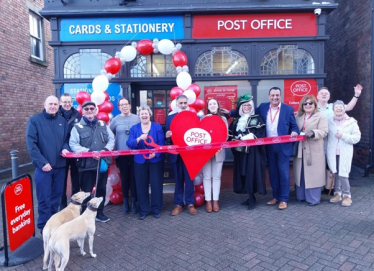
(183, 183)
(280, 120)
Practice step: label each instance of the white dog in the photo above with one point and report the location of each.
(72, 211)
(76, 229)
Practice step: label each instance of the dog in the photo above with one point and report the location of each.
(73, 210)
(76, 229)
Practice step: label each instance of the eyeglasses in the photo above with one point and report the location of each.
(309, 103)
(89, 108)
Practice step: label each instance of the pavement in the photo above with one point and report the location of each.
(323, 237)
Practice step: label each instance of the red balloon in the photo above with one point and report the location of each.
(145, 47)
(191, 109)
(82, 97)
(117, 187)
(113, 65)
(116, 197)
(106, 107)
(199, 199)
(199, 189)
(106, 96)
(195, 88)
(79, 109)
(199, 104)
(179, 59)
(103, 116)
(175, 92)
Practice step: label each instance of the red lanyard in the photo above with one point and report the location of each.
(306, 119)
(271, 117)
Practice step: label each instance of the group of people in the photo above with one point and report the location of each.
(330, 133)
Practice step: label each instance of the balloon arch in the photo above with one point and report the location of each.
(101, 98)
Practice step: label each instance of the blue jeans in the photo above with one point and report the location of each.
(49, 186)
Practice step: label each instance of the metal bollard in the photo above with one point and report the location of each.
(14, 157)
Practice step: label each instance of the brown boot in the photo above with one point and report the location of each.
(215, 205)
(208, 206)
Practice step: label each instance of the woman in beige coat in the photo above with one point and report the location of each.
(310, 165)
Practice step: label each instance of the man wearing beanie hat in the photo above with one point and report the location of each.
(91, 134)
(280, 120)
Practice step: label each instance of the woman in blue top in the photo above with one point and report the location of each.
(149, 170)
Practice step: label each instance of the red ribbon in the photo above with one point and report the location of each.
(174, 149)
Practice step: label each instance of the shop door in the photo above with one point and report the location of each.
(158, 99)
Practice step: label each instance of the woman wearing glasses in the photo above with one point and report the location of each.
(212, 170)
(149, 170)
(309, 164)
(249, 162)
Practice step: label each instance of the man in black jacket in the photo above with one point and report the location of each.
(46, 141)
(72, 116)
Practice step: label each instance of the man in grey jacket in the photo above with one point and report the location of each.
(90, 135)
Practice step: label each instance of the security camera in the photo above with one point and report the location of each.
(317, 11)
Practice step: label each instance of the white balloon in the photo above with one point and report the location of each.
(200, 114)
(109, 191)
(109, 76)
(112, 116)
(100, 83)
(179, 69)
(178, 46)
(118, 54)
(128, 53)
(103, 72)
(155, 51)
(198, 179)
(184, 80)
(165, 46)
(191, 96)
(98, 97)
(185, 68)
(133, 44)
(113, 179)
(174, 106)
(155, 41)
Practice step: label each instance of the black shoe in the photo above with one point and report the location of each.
(157, 215)
(142, 217)
(102, 218)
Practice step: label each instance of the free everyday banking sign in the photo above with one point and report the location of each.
(131, 28)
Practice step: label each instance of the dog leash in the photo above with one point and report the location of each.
(97, 175)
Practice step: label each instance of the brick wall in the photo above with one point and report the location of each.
(348, 62)
(23, 85)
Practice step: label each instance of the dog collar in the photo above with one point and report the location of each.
(89, 207)
(75, 202)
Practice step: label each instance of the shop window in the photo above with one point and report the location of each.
(287, 59)
(36, 37)
(221, 61)
(153, 66)
(86, 64)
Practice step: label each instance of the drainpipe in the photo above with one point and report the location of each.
(371, 94)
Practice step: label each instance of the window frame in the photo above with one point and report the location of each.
(40, 24)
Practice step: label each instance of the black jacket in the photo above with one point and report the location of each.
(46, 137)
(73, 119)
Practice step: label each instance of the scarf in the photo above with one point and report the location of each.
(242, 123)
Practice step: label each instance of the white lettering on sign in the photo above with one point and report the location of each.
(197, 136)
(20, 217)
(271, 24)
(229, 25)
(254, 24)
(84, 29)
(144, 28)
(300, 88)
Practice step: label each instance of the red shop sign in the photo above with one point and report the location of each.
(254, 25)
(296, 89)
(19, 212)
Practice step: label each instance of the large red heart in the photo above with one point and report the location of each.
(188, 130)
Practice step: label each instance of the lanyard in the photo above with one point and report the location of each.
(306, 120)
(271, 116)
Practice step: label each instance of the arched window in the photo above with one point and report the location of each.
(86, 64)
(287, 59)
(221, 61)
(158, 65)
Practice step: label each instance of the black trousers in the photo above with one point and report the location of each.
(87, 181)
(125, 165)
(74, 176)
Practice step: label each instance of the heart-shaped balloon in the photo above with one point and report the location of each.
(188, 130)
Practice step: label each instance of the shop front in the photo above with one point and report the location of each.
(230, 53)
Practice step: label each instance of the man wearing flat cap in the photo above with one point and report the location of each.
(89, 135)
